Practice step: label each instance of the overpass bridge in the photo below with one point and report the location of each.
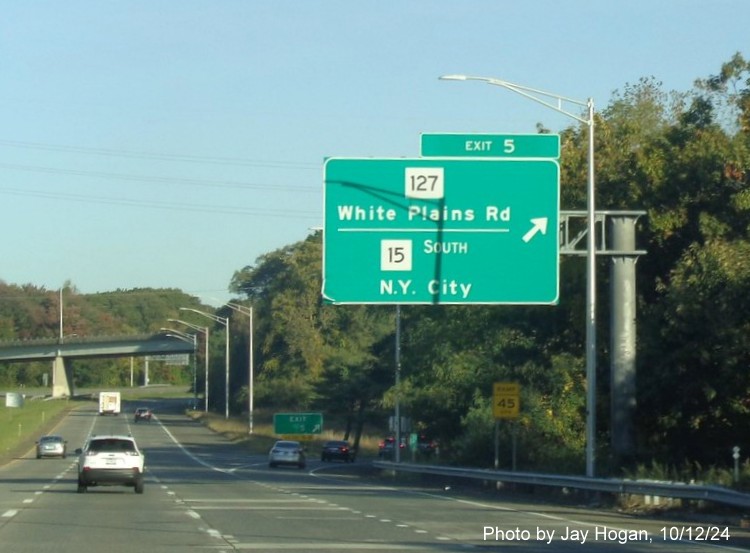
(63, 352)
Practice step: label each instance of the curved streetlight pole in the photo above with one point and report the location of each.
(192, 339)
(224, 321)
(250, 363)
(204, 330)
(542, 97)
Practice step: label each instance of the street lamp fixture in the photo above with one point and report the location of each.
(223, 321)
(544, 98)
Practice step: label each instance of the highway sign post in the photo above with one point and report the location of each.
(544, 146)
(441, 231)
(506, 405)
(297, 423)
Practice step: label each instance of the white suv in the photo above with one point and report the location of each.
(111, 460)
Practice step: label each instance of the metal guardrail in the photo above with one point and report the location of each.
(716, 494)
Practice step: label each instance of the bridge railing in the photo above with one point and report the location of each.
(78, 339)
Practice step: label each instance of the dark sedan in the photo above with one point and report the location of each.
(142, 414)
(337, 450)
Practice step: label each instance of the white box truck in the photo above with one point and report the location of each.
(109, 403)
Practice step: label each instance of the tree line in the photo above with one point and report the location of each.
(682, 157)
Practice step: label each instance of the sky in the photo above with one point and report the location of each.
(170, 143)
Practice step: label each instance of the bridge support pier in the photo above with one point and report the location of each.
(61, 377)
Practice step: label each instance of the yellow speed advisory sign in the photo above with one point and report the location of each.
(506, 401)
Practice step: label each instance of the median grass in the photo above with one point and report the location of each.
(20, 427)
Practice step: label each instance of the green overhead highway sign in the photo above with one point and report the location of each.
(441, 231)
(297, 423)
(545, 146)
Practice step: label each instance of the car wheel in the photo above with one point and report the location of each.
(271, 465)
(302, 466)
(64, 456)
(139, 485)
(38, 456)
(81, 487)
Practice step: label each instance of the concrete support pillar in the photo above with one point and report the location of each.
(623, 334)
(61, 377)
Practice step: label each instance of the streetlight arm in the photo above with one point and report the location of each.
(532, 94)
(189, 325)
(179, 334)
(222, 320)
(241, 308)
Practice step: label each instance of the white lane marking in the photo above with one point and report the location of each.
(307, 546)
(10, 513)
(193, 457)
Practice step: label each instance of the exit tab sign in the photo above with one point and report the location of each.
(542, 146)
(297, 423)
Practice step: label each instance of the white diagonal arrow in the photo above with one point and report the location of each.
(540, 225)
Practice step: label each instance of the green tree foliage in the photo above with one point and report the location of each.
(30, 313)
(698, 385)
(311, 354)
(683, 157)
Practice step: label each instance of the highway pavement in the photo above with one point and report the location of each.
(204, 494)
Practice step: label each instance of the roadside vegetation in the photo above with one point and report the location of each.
(20, 427)
(683, 157)
(263, 437)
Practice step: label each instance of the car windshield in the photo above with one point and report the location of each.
(337, 444)
(51, 439)
(287, 445)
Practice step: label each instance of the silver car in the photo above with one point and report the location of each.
(51, 446)
(287, 452)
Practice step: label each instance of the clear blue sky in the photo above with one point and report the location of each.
(169, 143)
